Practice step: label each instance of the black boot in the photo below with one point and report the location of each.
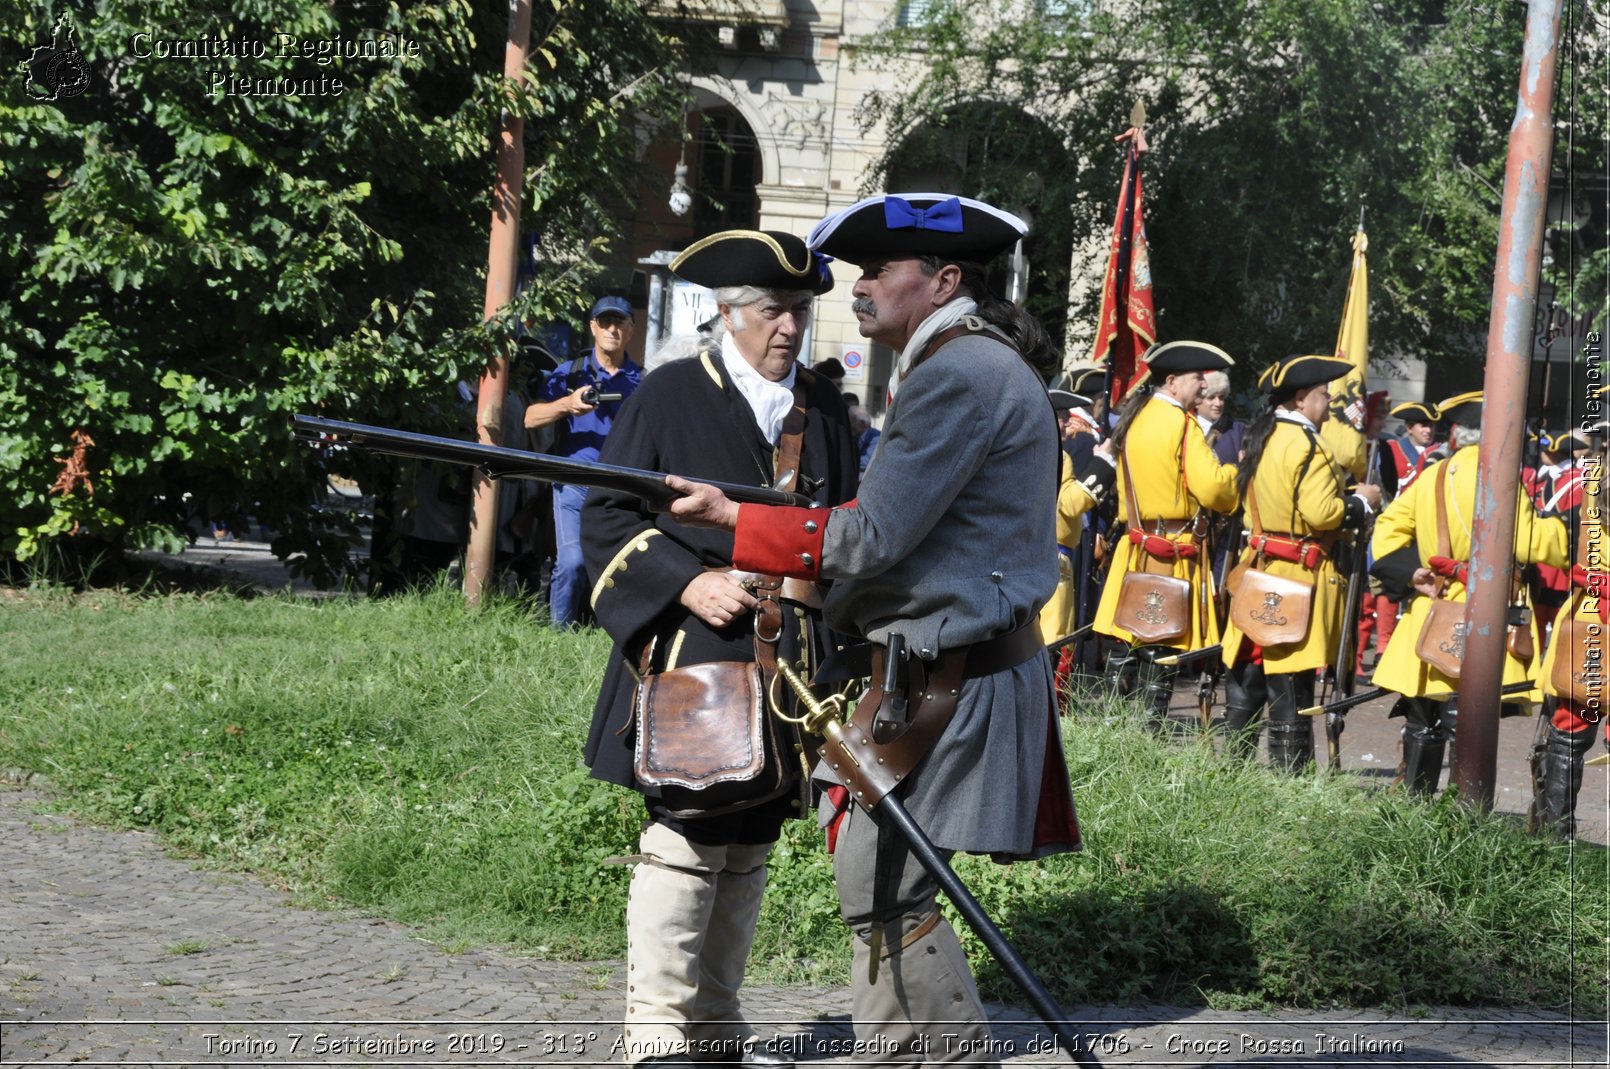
(1423, 744)
(1118, 677)
(1157, 690)
(1291, 737)
(1245, 693)
(1563, 754)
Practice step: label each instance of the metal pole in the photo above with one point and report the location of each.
(502, 253)
(1509, 341)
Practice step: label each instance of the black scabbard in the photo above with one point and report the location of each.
(890, 810)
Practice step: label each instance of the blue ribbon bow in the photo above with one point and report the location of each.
(946, 216)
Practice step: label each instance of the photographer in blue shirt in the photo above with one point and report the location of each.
(580, 399)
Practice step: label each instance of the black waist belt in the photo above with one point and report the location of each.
(981, 658)
(1001, 652)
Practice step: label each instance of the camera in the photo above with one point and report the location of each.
(590, 396)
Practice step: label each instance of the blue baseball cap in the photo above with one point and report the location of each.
(611, 306)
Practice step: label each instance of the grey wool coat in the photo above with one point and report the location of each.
(952, 540)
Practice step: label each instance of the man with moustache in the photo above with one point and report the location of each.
(950, 545)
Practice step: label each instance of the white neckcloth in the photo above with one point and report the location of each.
(768, 400)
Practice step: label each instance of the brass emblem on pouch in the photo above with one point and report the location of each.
(1456, 642)
(1152, 611)
(1269, 612)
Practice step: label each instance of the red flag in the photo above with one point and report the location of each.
(1127, 326)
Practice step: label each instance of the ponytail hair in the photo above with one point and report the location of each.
(1028, 337)
(1257, 438)
(1129, 410)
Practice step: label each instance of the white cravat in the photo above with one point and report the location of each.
(768, 400)
(945, 316)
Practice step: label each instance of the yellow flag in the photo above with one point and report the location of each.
(1344, 431)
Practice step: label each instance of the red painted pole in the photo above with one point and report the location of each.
(502, 251)
(1509, 343)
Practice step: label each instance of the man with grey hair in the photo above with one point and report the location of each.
(740, 411)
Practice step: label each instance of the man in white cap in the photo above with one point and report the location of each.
(950, 550)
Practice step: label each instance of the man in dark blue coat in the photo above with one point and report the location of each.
(667, 594)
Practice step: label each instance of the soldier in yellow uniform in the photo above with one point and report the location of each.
(1578, 710)
(1077, 493)
(1408, 529)
(1295, 500)
(1168, 478)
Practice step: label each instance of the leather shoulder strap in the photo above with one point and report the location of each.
(1444, 544)
(970, 326)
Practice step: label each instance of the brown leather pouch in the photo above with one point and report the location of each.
(1442, 639)
(705, 741)
(1578, 673)
(1270, 609)
(1152, 607)
(1518, 641)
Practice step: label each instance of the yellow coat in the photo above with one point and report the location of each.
(1321, 506)
(1412, 520)
(1160, 433)
(1592, 552)
(1073, 501)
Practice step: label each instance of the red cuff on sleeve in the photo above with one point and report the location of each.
(779, 540)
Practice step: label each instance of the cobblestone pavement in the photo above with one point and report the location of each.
(114, 953)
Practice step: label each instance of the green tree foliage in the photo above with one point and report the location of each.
(1271, 126)
(186, 259)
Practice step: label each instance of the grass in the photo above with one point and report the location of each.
(421, 761)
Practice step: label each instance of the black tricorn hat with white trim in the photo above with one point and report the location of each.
(1297, 372)
(1181, 357)
(768, 259)
(891, 225)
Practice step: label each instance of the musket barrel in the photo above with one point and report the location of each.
(500, 462)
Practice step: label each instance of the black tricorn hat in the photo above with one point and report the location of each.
(1067, 400)
(1297, 372)
(1179, 357)
(917, 224)
(1463, 409)
(1083, 378)
(768, 259)
(1416, 412)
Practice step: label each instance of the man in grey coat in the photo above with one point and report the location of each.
(951, 545)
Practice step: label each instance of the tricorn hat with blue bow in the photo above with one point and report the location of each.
(768, 259)
(917, 224)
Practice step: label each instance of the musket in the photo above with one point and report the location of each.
(500, 462)
(1343, 704)
(1189, 656)
(1347, 651)
(872, 785)
(1072, 636)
